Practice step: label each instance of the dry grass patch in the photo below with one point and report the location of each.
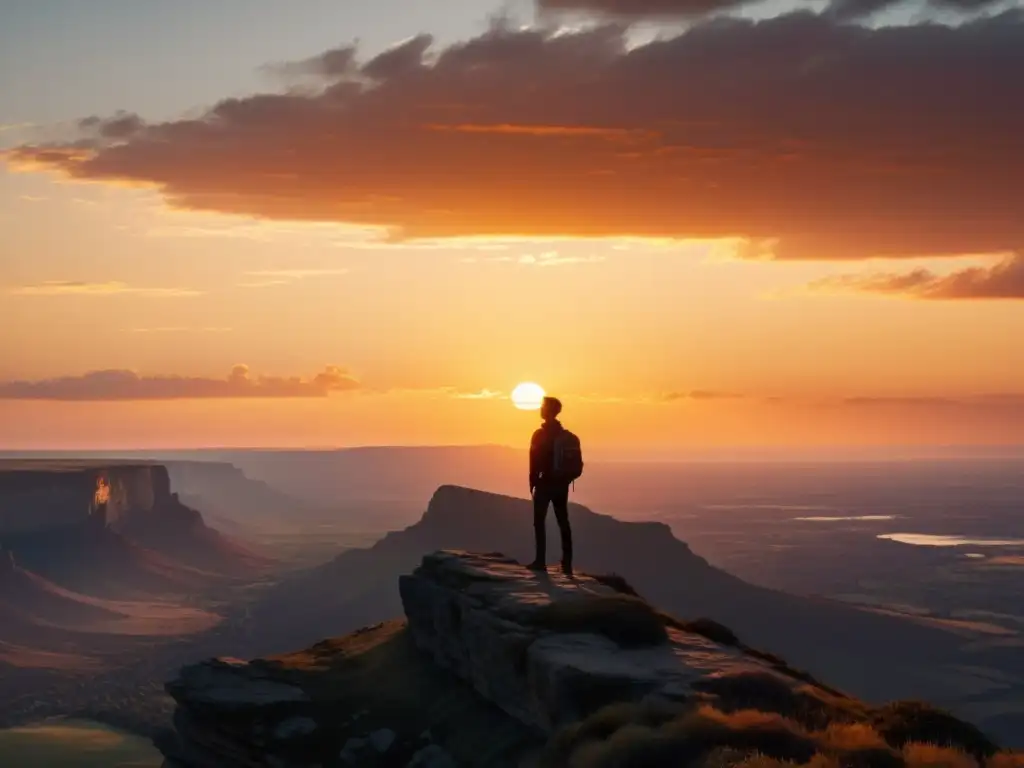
(771, 691)
(932, 756)
(1006, 760)
(905, 722)
(690, 736)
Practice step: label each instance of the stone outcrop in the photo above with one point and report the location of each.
(57, 509)
(37, 496)
(550, 650)
(491, 659)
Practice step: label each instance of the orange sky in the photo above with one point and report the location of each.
(687, 262)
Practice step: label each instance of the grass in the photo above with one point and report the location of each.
(701, 736)
(754, 719)
(913, 721)
(74, 744)
(809, 705)
(627, 621)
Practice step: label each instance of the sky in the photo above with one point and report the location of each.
(703, 224)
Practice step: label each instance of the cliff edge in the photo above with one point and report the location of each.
(496, 665)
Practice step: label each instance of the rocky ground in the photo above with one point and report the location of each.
(498, 666)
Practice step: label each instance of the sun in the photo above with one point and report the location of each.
(528, 396)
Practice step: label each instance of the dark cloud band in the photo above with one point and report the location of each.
(807, 137)
(128, 385)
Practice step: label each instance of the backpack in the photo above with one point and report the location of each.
(567, 457)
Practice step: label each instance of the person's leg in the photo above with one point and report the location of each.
(541, 499)
(560, 501)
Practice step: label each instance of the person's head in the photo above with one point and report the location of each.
(550, 407)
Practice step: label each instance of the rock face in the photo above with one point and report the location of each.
(58, 509)
(491, 659)
(550, 650)
(44, 495)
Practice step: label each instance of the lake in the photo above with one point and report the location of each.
(75, 744)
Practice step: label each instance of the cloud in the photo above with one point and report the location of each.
(800, 136)
(296, 274)
(113, 288)
(861, 9)
(635, 10)
(1004, 280)
(267, 278)
(1003, 400)
(643, 9)
(544, 259)
(123, 125)
(483, 394)
(700, 394)
(336, 63)
(128, 385)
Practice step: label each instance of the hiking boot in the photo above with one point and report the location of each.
(537, 565)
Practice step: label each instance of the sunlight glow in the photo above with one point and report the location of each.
(528, 396)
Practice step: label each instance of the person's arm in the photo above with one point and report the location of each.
(535, 458)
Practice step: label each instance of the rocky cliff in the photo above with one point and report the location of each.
(41, 495)
(496, 665)
(67, 519)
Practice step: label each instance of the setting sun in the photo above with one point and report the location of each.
(528, 396)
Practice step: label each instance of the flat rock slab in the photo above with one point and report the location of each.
(231, 686)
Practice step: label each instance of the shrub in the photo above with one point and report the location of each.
(644, 738)
(627, 621)
(931, 756)
(616, 582)
(1006, 760)
(709, 628)
(902, 722)
(689, 736)
(771, 692)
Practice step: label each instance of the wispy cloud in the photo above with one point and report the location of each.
(543, 259)
(701, 394)
(267, 278)
(1002, 280)
(107, 289)
(111, 385)
(483, 394)
(565, 131)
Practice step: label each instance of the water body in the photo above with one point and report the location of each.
(930, 540)
(856, 518)
(75, 744)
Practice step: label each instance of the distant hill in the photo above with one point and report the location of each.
(224, 493)
(327, 478)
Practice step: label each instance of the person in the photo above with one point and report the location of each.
(555, 462)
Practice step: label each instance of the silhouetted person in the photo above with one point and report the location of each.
(556, 460)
